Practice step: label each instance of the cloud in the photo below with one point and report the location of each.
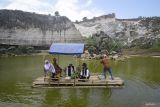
(73, 9)
(38, 6)
(69, 8)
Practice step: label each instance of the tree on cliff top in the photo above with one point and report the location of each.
(57, 13)
(85, 19)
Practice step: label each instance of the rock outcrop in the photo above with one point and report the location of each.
(145, 31)
(25, 28)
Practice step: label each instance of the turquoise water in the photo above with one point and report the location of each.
(141, 75)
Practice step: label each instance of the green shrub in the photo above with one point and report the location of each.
(75, 75)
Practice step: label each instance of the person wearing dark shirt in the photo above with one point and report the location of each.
(70, 70)
(58, 69)
(84, 72)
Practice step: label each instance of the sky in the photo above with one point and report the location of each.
(77, 9)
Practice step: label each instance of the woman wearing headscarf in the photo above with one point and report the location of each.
(58, 69)
(48, 67)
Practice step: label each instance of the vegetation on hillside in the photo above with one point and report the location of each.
(152, 24)
(17, 50)
(100, 43)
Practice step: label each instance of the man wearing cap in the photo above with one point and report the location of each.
(107, 66)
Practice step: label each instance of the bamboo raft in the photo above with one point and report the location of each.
(93, 82)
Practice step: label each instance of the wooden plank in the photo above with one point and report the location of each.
(78, 86)
(92, 82)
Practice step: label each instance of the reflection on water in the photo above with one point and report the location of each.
(78, 97)
(141, 75)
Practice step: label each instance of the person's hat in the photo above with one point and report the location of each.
(46, 61)
(104, 55)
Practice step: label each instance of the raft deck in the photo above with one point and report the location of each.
(63, 82)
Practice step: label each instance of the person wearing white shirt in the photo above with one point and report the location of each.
(48, 67)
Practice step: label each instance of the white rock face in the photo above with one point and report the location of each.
(35, 36)
(90, 27)
(25, 28)
(125, 30)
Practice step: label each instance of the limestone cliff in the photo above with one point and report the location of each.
(25, 28)
(128, 31)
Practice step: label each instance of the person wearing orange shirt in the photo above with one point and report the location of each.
(107, 67)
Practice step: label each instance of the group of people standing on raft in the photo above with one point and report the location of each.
(56, 70)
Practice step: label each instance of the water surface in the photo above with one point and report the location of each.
(141, 75)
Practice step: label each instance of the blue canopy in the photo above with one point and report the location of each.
(66, 48)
